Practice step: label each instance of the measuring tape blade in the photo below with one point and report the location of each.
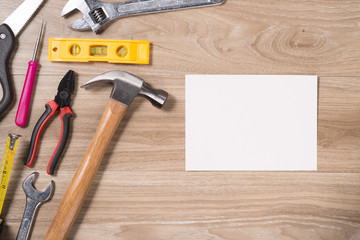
(6, 165)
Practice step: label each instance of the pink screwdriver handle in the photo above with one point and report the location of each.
(23, 108)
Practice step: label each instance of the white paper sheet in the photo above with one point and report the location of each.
(251, 122)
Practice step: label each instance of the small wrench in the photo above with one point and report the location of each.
(97, 13)
(34, 199)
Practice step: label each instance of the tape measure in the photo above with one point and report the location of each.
(6, 165)
(104, 50)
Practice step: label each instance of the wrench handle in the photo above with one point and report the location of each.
(82, 180)
(102, 12)
(135, 7)
(27, 220)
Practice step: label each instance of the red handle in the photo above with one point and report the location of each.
(65, 115)
(50, 109)
(23, 108)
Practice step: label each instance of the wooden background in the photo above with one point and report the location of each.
(141, 190)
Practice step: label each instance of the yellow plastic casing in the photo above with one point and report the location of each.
(104, 50)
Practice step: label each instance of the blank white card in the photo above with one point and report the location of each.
(251, 122)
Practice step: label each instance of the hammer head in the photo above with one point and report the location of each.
(127, 86)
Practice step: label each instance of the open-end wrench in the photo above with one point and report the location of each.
(34, 199)
(96, 13)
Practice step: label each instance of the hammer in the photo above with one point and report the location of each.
(126, 87)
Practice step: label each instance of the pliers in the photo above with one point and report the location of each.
(62, 102)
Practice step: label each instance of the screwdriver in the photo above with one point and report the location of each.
(23, 108)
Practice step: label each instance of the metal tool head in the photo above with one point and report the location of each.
(85, 7)
(65, 89)
(127, 86)
(97, 14)
(72, 5)
(17, 20)
(31, 192)
(38, 42)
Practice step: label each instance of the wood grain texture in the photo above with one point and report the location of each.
(141, 190)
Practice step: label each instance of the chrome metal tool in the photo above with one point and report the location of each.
(34, 199)
(8, 31)
(96, 13)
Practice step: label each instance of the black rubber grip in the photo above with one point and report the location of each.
(7, 43)
(65, 121)
(36, 134)
(1, 225)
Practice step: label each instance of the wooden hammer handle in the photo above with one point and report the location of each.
(81, 183)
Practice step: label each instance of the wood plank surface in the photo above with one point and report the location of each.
(141, 190)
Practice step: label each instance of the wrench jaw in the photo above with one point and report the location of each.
(93, 20)
(34, 199)
(80, 25)
(92, 12)
(72, 5)
(30, 190)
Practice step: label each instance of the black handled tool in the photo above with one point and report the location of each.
(62, 102)
(8, 31)
(7, 43)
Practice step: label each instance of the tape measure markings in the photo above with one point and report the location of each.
(6, 165)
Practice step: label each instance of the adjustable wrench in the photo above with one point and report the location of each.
(34, 199)
(96, 13)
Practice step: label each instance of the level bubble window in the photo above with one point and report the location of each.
(122, 51)
(98, 51)
(75, 50)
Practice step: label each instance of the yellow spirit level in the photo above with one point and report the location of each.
(104, 50)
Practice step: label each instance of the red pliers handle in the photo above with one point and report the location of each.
(65, 115)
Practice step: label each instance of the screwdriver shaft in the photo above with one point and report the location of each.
(38, 42)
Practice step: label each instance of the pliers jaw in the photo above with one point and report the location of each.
(65, 89)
